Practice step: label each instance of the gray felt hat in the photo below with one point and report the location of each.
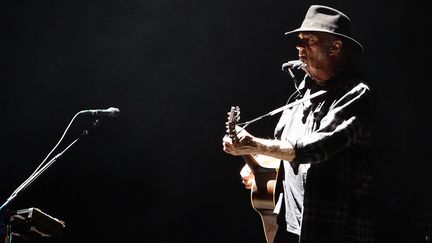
(329, 20)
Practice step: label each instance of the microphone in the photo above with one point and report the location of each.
(288, 66)
(291, 65)
(110, 112)
(294, 64)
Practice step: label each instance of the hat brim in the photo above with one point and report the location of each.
(355, 44)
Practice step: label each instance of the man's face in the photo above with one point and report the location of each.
(313, 48)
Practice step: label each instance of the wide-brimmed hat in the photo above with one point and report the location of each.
(329, 20)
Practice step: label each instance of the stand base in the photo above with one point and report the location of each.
(32, 223)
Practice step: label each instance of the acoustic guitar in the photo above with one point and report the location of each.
(265, 173)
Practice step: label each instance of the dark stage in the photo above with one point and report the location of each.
(157, 172)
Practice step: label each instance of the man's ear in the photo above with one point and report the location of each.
(336, 47)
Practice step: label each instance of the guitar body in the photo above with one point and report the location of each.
(262, 194)
(265, 173)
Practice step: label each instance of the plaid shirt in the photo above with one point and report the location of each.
(327, 187)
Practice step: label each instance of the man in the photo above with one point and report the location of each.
(324, 180)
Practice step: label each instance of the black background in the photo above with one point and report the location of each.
(174, 68)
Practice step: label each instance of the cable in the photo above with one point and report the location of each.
(41, 166)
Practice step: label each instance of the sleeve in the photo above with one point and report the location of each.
(345, 125)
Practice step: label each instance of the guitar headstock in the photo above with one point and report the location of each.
(233, 119)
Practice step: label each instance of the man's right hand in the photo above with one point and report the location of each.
(248, 178)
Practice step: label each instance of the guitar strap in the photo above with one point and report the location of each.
(309, 97)
(273, 112)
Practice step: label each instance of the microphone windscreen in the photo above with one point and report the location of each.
(291, 65)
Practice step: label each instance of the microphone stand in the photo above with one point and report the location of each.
(33, 178)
